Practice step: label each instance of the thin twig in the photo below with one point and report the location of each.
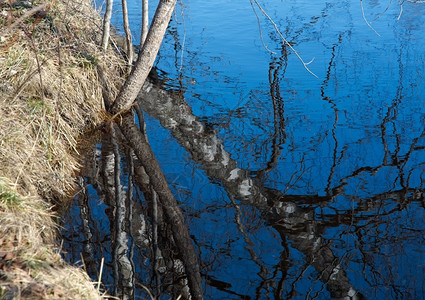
(27, 15)
(40, 76)
(100, 274)
(122, 111)
(147, 290)
(364, 18)
(284, 40)
(82, 261)
(401, 10)
(259, 28)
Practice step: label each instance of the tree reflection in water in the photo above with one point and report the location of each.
(315, 198)
(256, 242)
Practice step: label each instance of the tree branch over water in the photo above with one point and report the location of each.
(285, 41)
(129, 44)
(146, 58)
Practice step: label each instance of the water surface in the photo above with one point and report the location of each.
(291, 186)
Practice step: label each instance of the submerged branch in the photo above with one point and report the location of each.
(259, 29)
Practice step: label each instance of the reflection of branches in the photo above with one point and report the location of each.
(129, 216)
(333, 106)
(382, 13)
(279, 134)
(400, 3)
(208, 150)
(249, 244)
(87, 256)
(123, 269)
(283, 267)
(129, 225)
(291, 215)
(156, 252)
(296, 176)
(157, 180)
(371, 244)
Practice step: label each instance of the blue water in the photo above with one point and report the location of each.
(347, 149)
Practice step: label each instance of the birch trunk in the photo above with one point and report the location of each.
(107, 24)
(146, 57)
(145, 22)
(129, 44)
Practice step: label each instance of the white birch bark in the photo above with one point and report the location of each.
(107, 24)
(145, 22)
(129, 44)
(146, 57)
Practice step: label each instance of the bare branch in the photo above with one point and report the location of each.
(259, 28)
(401, 10)
(364, 18)
(27, 15)
(283, 38)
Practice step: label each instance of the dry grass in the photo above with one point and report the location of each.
(50, 95)
(30, 265)
(42, 113)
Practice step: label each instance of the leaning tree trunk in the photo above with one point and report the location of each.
(146, 57)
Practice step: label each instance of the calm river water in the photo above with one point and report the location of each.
(291, 186)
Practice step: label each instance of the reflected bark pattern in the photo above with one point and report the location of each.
(284, 214)
(280, 186)
(156, 227)
(150, 246)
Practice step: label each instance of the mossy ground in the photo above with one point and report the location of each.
(50, 95)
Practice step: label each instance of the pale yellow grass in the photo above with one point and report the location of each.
(31, 266)
(50, 95)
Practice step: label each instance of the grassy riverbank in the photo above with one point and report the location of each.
(50, 95)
